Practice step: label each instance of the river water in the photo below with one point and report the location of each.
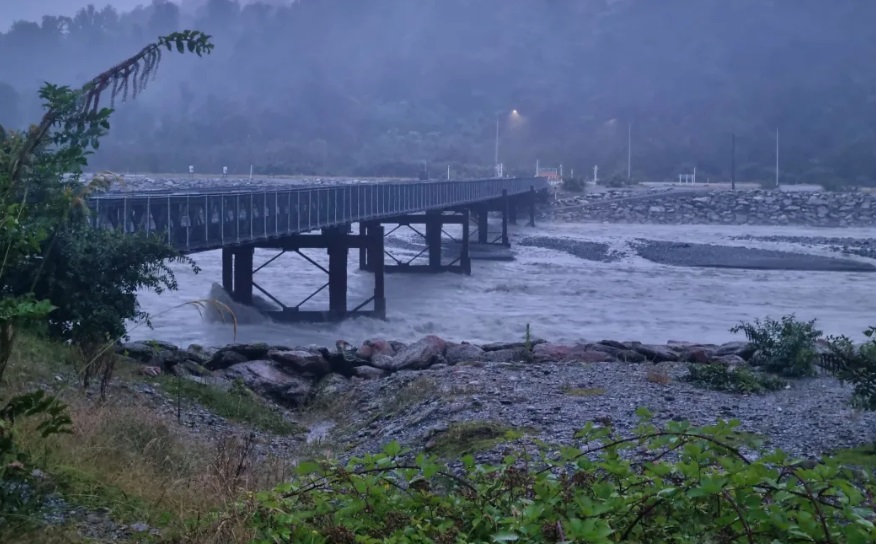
(562, 297)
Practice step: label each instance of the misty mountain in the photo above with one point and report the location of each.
(376, 86)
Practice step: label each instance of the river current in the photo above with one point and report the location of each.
(562, 297)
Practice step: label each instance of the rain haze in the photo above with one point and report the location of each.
(427, 220)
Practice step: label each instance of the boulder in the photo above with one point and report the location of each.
(419, 355)
(225, 358)
(624, 354)
(731, 360)
(382, 363)
(329, 388)
(268, 379)
(655, 353)
(741, 349)
(303, 362)
(695, 354)
(189, 368)
(510, 355)
(497, 346)
(369, 372)
(460, 353)
(555, 353)
(375, 346)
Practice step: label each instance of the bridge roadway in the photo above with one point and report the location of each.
(287, 219)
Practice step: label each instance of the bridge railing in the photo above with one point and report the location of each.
(204, 220)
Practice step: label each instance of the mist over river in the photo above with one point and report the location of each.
(563, 297)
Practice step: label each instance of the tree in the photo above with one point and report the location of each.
(43, 219)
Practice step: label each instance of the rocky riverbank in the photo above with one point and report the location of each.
(719, 207)
(418, 393)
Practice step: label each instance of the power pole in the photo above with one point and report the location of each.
(629, 152)
(733, 162)
(777, 158)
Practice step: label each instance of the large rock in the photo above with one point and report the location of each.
(328, 389)
(225, 358)
(510, 355)
(498, 346)
(560, 353)
(656, 354)
(369, 372)
(624, 354)
(696, 354)
(267, 378)
(309, 364)
(740, 349)
(419, 355)
(375, 346)
(463, 353)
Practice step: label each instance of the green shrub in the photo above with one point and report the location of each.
(720, 377)
(679, 484)
(855, 365)
(786, 347)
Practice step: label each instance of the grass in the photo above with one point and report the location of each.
(137, 463)
(471, 437)
(584, 391)
(658, 376)
(237, 404)
(861, 456)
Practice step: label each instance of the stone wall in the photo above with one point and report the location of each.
(721, 207)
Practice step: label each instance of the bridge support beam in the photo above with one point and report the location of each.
(506, 212)
(483, 217)
(337, 241)
(228, 270)
(434, 222)
(242, 292)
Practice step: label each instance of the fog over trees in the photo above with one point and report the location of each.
(377, 86)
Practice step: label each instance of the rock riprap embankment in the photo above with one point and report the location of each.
(388, 390)
(720, 207)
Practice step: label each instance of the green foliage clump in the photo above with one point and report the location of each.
(471, 437)
(238, 404)
(54, 265)
(786, 347)
(855, 365)
(17, 493)
(678, 484)
(720, 377)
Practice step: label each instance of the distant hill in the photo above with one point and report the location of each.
(377, 86)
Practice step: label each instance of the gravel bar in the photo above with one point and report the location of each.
(715, 256)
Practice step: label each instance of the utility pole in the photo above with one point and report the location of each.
(629, 152)
(496, 161)
(733, 162)
(777, 158)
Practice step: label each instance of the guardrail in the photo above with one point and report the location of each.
(210, 220)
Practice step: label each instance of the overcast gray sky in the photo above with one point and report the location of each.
(33, 10)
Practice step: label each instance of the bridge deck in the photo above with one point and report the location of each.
(206, 220)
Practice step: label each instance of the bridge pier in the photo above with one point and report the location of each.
(532, 196)
(337, 241)
(434, 221)
(483, 218)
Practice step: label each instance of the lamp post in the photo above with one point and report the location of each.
(496, 158)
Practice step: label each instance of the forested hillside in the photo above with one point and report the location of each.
(377, 86)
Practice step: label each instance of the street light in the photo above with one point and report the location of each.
(498, 116)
